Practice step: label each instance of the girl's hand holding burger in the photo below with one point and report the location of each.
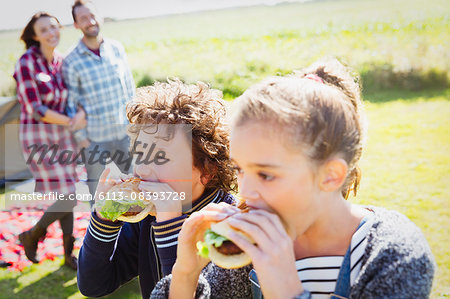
(272, 256)
(189, 264)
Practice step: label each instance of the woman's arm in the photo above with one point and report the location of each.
(27, 89)
(56, 118)
(29, 96)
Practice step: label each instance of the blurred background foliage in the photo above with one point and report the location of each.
(391, 44)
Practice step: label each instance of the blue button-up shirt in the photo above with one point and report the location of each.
(102, 85)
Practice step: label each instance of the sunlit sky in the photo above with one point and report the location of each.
(16, 13)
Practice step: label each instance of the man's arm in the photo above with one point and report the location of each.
(129, 81)
(74, 99)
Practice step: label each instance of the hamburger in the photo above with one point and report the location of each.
(122, 202)
(220, 250)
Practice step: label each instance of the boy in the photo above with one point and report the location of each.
(113, 252)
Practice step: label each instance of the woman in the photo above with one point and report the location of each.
(44, 130)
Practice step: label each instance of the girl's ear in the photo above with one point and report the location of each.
(332, 175)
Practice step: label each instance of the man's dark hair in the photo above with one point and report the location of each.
(76, 4)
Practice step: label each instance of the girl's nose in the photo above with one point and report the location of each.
(246, 189)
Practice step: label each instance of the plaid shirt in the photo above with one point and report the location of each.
(40, 87)
(102, 85)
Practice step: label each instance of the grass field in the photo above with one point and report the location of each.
(392, 44)
(405, 167)
(401, 50)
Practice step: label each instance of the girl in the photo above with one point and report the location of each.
(43, 124)
(296, 142)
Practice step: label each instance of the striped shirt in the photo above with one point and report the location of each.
(319, 274)
(166, 233)
(102, 85)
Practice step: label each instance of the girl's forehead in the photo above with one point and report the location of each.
(256, 145)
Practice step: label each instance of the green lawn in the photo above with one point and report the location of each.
(405, 167)
(51, 280)
(402, 43)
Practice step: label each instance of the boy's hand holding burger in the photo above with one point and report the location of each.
(130, 199)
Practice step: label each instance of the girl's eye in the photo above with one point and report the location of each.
(265, 176)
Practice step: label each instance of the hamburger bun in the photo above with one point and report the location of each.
(130, 192)
(140, 216)
(228, 261)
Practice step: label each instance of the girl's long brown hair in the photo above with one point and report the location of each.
(317, 110)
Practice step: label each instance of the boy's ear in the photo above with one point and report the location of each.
(332, 175)
(204, 179)
(208, 173)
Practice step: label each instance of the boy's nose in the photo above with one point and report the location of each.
(145, 172)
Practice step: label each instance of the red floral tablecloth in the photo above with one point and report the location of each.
(19, 219)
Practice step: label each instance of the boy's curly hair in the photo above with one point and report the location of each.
(200, 107)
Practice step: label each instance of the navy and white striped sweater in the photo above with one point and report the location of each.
(114, 253)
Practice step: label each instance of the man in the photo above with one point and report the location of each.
(99, 81)
(198, 166)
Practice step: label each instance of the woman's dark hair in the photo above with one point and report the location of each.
(28, 33)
